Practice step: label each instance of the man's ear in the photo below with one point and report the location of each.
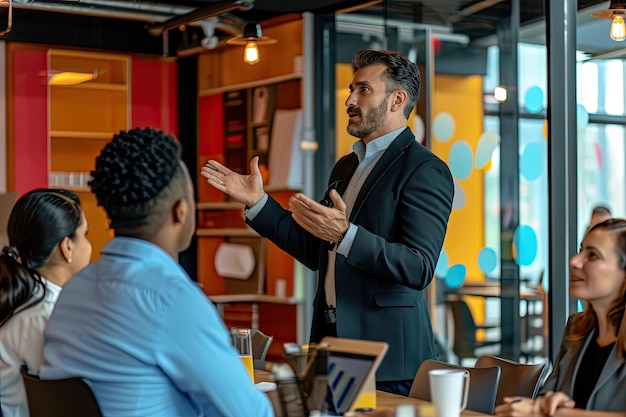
(180, 210)
(398, 100)
(65, 248)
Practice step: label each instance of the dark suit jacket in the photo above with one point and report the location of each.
(609, 394)
(402, 213)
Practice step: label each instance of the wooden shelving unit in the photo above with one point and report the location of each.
(82, 119)
(237, 105)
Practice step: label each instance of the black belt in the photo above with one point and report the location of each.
(330, 313)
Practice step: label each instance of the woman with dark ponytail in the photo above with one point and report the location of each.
(47, 245)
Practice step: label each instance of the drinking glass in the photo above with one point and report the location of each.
(242, 341)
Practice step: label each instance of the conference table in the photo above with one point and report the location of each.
(384, 400)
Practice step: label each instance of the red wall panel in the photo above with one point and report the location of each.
(210, 141)
(30, 121)
(154, 95)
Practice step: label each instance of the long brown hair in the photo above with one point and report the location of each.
(585, 322)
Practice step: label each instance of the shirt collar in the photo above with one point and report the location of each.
(376, 146)
(52, 290)
(130, 247)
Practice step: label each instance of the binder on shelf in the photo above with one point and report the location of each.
(260, 100)
(286, 159)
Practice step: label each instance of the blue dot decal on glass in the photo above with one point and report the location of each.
(443, 126)
(460, 159)
(525, 242)
(486, 144)
(455, 276)
(487, 260)
(533, 99)
(441, 270)
(582, 117)
(532, 161)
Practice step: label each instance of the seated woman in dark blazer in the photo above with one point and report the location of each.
(589, 376)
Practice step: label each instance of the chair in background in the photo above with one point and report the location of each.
(260, 344)
(465, 344)
(482, 389)
(517, 379)
(70, 397)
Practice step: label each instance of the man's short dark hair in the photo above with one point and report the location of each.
(401, 74)
(138, 177)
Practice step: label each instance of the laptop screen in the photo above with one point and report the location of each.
(332, 377)
(347, 373)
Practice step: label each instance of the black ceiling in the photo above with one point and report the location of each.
(121, 24)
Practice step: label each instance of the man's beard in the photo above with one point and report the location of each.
(371, 121)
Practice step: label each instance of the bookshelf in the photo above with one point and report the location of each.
(82, 119)
(237, 104)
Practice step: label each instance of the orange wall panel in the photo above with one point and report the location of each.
(211, 282)
(225, 66)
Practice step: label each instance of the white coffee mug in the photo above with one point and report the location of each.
(449, 391)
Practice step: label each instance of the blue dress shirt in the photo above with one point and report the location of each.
(147, 340)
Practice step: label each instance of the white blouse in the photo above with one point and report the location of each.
(21, 343)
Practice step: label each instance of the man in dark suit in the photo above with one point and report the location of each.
(377, 234)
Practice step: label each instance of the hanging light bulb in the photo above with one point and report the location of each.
(251, 53)
(252, 37)
(618, 28)
(615, 12)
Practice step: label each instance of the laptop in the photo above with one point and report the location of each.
(351, 366)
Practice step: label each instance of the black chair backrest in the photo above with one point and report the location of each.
(464, 345)
(517, 379)
(482, 388)
(260, 344)
(70, 397)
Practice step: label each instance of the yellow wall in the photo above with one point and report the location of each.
(461, 97)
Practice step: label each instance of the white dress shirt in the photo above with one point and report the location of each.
(21, 343)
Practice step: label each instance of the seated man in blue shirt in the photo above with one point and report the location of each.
(133, 324)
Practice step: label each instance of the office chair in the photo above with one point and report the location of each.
(69, 397)
(260, 344)
(465, 344)
(517, 379)
(483, 384)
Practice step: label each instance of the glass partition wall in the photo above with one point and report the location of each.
(485, 110)
(452, 120)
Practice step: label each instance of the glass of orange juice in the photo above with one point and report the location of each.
(242, 341)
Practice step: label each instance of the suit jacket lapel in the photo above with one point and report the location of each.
(386, 161)
(343, 172)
